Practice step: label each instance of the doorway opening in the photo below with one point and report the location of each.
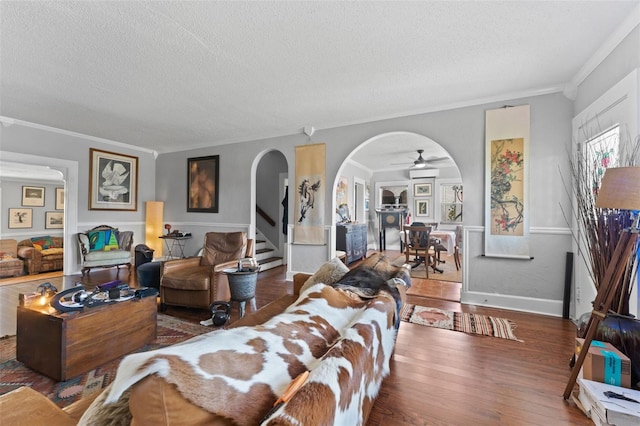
(417, 194)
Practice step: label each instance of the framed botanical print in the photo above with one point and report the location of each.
(202, 184)
(422, 190)
(113, 181)
(54, 220)
(423, 208)
(59, 198)
(20, 218)
(33, 196)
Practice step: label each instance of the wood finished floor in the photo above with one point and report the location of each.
(441, 377)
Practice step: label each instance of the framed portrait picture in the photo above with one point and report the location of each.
(20, 218)
(202, 184)
(423, 208)
(422, 190)
(59, 198)
(54, 220)
(113, 181)
(33, 196)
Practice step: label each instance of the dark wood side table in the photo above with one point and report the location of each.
(62, 346)
(242, 285)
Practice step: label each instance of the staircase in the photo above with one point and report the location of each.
(266, 254)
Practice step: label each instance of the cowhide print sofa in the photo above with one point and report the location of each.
(339, 325)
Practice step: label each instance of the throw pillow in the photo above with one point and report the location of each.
(42, 243)
(103, 240)
(329, 273)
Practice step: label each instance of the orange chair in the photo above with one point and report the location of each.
(198, 281)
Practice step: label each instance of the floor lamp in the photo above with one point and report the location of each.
(154, 227)
(620, 189)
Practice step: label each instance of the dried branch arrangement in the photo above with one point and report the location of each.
(599, 229)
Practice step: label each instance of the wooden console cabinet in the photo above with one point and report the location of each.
(352, 239)
(62, 346)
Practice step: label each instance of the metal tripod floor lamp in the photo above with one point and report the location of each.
(620, 189)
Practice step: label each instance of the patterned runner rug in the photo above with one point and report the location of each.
(14, 374)
(458, 321)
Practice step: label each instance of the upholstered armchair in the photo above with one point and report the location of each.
(198, 281)
(105, 247)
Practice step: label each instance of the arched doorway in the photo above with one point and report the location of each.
(270, 208)
(386, 164)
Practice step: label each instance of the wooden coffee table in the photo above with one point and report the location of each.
(65, 345)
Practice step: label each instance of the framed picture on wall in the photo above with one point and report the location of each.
(423, 208)
(422, 190)
(54, 220)
(20, 218)
(202, 184)
(113, 181)
(59, 198)
(33, 196)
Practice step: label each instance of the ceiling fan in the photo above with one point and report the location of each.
(421, 162)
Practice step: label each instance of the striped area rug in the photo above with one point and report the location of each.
(459, 321)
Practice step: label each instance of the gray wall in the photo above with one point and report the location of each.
(12, 198)
(44, 143)
(620, 62)
(534, 285)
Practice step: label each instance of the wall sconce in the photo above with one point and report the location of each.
(154, 226)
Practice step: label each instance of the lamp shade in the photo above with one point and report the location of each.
(620, 189)
(154, 226)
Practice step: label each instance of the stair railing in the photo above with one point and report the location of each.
(265, 216)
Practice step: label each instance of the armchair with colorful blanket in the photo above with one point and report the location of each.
(105, 247)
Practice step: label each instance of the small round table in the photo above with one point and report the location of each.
(242, 285)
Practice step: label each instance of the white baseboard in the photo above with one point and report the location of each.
(514, 303)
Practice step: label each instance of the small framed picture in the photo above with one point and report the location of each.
(33, 196)
(54, 220)
(20, 218)
(59, 198)
(422, 190)
(423, 207)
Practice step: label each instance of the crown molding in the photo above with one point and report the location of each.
(8, 121)
(628, 25)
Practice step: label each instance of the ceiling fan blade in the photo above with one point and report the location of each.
(437, 159)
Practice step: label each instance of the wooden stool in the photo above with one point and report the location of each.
(342, 255)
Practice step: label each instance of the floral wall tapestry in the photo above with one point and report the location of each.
(506, 182)
(310, 199)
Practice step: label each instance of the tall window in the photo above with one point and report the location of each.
(451, 203)
(602, 152)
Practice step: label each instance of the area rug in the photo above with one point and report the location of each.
(459, 321)
(14, 374)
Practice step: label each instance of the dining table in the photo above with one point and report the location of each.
(447, 239)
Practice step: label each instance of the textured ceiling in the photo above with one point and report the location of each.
(175, 75)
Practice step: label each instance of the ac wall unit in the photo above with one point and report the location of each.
(424, 173)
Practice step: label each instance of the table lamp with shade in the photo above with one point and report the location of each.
(620, 189)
